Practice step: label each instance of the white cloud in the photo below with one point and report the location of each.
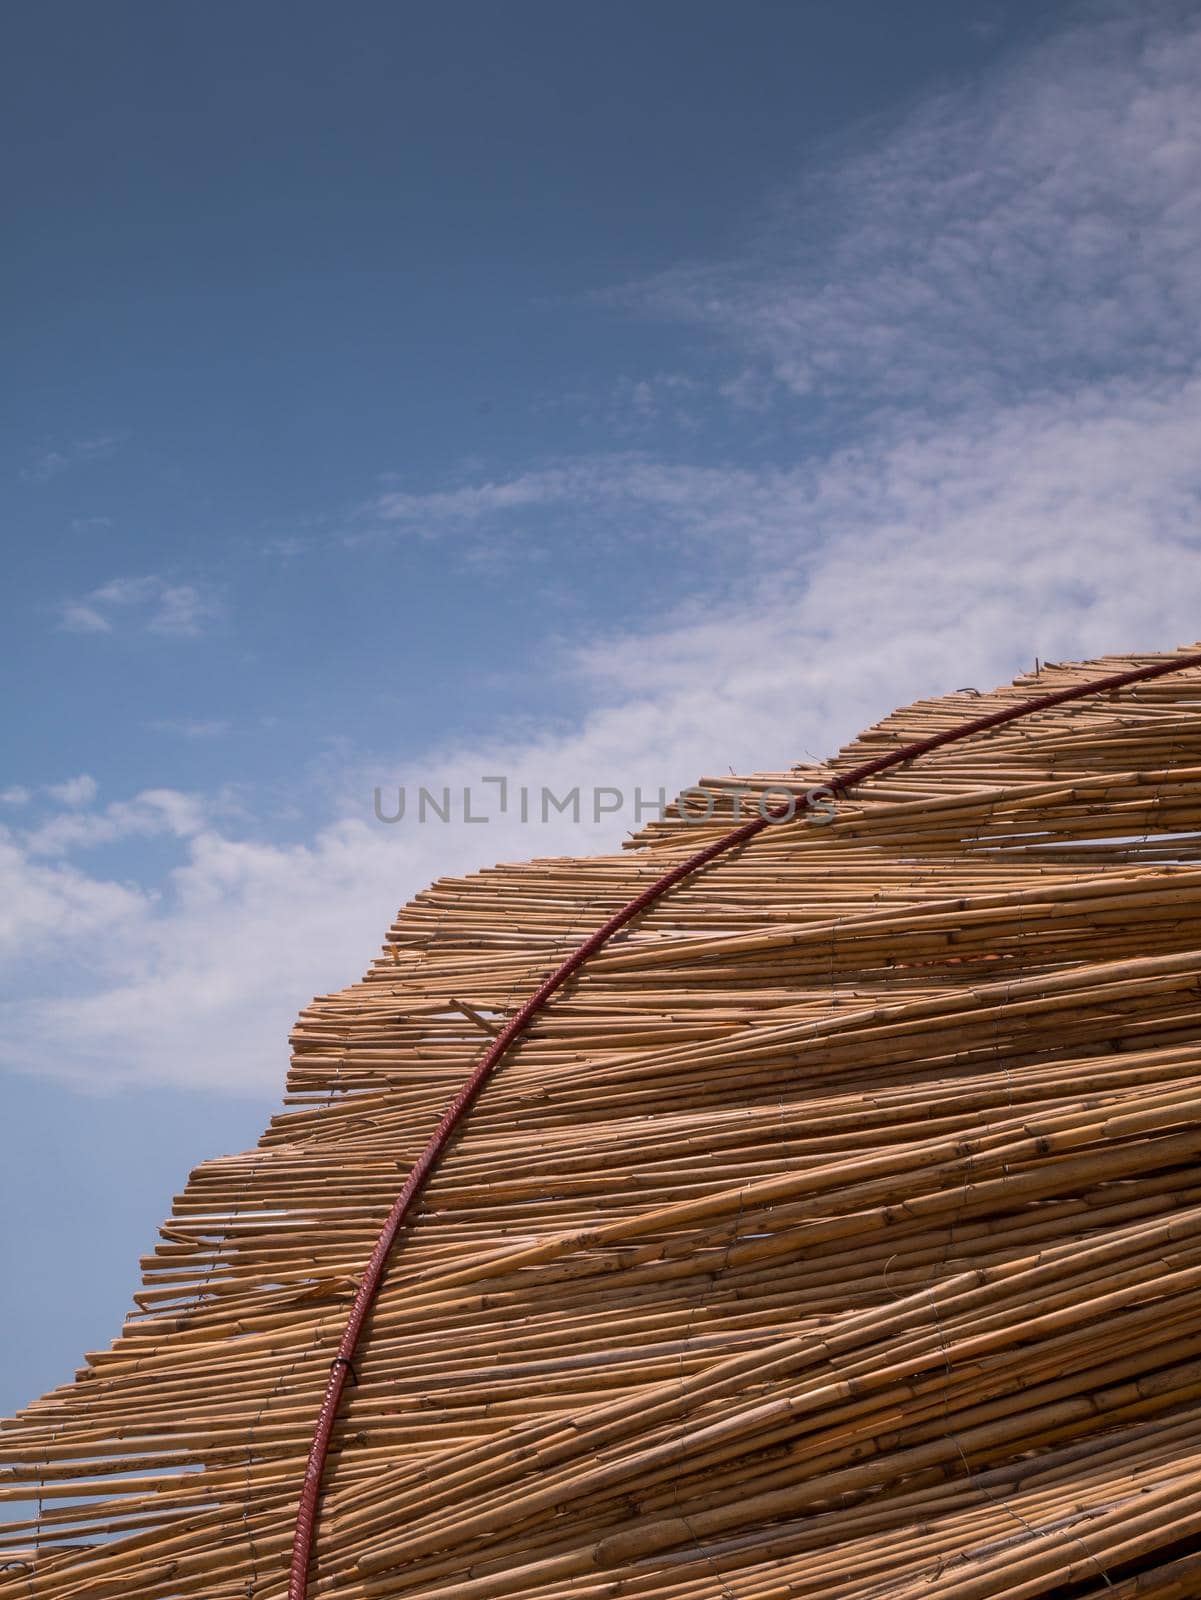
(51, 463)
(1115, 461)
(76, 617)
(46, 908)
(450, 508)
(286, 548)
(180, 609)
(127, 591)
(80, 791)
(1037, 227)
(192, 728)
(150, 814)
(615, 497)
(16, 795)
(151, 603)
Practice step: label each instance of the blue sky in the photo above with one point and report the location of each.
(594, 395)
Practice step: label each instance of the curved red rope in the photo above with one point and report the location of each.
(306, 1514)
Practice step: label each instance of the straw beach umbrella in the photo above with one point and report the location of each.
(831, 1227)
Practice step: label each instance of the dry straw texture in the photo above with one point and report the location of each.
(836, 1233)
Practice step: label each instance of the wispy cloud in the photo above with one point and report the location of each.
(620, 496)
(635, 409)
(1111, 463)
(287, 548)
(153, 604)
(192, 728)
(48, 904)
(435, 512)
(51, 463)
(150, 814)
(1036, 228)
(80, 791)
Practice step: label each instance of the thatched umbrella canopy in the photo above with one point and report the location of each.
(835, 1232)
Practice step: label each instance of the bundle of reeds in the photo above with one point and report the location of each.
(836, 1232)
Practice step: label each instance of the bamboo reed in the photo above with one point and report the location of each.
(835, 1232)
